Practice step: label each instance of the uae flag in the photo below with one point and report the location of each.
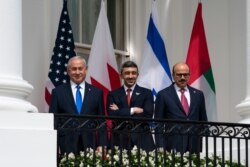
(200, 67)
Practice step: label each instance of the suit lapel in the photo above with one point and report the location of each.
(123, 96)
(87, 94)
(192, 99)
(176, 99)
(70, 97)
(135, 95)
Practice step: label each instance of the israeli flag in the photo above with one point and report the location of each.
(154, 69)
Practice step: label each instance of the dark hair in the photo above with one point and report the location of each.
(129, 64)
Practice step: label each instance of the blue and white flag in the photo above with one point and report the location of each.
(154, 69)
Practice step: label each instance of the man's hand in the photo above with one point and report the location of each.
(100, 149)
(137, 110)
(113, 107)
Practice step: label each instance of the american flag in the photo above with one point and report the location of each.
(62, 52)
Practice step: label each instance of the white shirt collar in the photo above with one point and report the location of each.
(177, 88)
(132, 88)
(73, 85)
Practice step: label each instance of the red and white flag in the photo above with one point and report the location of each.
(102, 65)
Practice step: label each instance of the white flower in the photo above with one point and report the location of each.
(81, 153)
(63, 159)
(177, 164)
(134, 150)
(125, 162)
(116, 157)
(71, 155)
(130, 158)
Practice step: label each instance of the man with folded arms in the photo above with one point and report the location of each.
(132, 101)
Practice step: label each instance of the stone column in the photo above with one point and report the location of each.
(27, 138)
(13, 89)
(244, 107)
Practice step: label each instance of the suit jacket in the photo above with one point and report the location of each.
(62, 102)
(168, 106)
(141, 97)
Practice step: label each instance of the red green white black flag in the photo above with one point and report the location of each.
(200, 66)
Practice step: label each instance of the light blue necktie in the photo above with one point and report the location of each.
(78, 98)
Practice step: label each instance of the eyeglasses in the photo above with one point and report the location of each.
(182, 74)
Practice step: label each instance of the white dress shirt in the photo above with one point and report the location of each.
(186, 93)
(74, 89)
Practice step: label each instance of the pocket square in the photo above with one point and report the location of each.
(137, 93)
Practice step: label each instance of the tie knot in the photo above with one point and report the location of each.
(182, 91)
(129, 90)
(78, 87)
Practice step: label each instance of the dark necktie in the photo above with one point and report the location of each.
(184, 101)
(78, 98)
(128, 96)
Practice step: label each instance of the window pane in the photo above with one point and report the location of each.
(90, 13)
(73, 8)
(116, 22)
(84, 15)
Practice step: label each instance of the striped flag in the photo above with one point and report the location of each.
(62, 52)
(154, 70)
(200, 67)
(102, 65)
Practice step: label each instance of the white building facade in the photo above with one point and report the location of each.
(30, 45)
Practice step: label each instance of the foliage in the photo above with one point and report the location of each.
(137, 157)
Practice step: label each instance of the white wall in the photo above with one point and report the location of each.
(40, 23)
(224, 23)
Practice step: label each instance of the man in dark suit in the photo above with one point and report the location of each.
(179, 101)
(133, 101)
(63, 101)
